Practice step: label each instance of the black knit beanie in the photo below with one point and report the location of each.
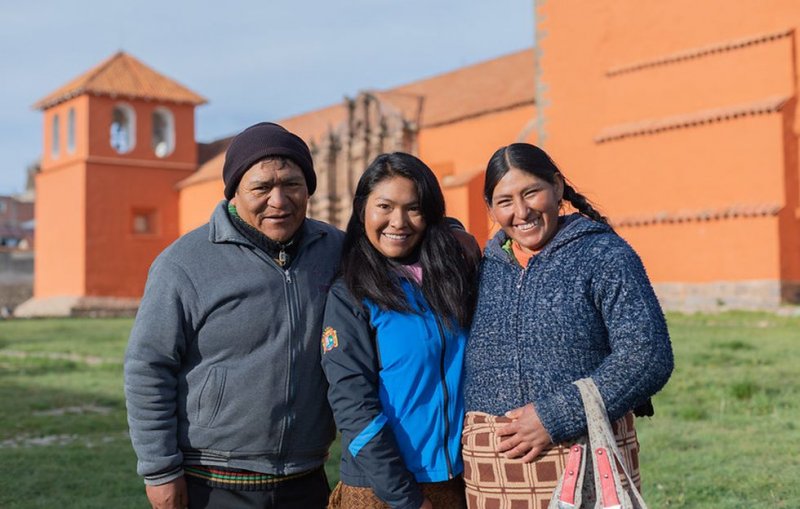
(258, 142)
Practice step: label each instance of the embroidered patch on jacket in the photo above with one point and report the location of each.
(329, 339)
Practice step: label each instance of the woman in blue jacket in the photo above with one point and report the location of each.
(562, 297)
(393, 343)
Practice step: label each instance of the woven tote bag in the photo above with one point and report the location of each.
(595, 463)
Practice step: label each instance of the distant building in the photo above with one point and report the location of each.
(16, 252)
(16, 223)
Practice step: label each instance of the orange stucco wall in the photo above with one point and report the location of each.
(118, 256)
(708, 251)
(744, 162)
(197, 202)
(60, 256)
(469, 143)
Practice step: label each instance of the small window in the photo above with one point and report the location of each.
(123, 129)
(71, 130)
(56, 147)
(143, 221)
(163, 132)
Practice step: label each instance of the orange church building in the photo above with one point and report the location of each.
(683, 131)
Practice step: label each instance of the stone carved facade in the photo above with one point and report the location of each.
(375, 124)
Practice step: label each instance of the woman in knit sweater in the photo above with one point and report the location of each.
(562, 297)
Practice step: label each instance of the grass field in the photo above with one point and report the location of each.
(725, 433)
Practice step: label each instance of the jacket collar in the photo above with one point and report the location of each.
(221, 229)
(571, 227)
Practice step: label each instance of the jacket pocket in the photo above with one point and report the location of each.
(210, 400)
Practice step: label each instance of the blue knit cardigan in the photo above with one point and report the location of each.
(582, 307)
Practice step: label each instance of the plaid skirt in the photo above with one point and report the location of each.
(494, 481)
(443, 495)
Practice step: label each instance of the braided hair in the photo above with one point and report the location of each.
(531, 159)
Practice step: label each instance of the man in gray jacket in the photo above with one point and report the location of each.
(225, 395)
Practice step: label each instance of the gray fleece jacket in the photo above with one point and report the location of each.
(582, 307)
(223, 363)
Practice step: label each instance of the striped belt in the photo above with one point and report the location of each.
(236, 479)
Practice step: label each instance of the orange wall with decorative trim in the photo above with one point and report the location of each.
(672, 117)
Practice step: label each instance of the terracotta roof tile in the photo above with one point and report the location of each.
(123, 75)
(309, 126)
(493, 85)
(313, 124)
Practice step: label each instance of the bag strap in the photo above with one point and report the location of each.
(603, 445)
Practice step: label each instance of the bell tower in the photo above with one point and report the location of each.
(117, 139)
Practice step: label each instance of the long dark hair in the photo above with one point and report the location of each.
(448, 283)
(531, 159)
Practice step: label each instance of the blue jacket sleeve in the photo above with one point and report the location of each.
(641, 360)
(350, 362)
(152, 361)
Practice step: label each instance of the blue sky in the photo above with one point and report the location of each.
(253, 60)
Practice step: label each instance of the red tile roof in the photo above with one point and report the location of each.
(123, 75)
(489, 86)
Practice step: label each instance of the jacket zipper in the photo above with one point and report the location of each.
(290, 301)
(446, 400)
(289, 386)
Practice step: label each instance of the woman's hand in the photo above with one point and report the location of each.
(525, 437)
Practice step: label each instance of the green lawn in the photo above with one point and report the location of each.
(725, 433)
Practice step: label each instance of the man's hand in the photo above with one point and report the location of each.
(426, 504)
(172, 495)
(525, 437)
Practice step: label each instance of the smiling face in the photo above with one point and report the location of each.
(393, 219)
(526, 208)
(272, 197)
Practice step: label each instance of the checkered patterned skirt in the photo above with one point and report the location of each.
(496, 482)
(443, 495)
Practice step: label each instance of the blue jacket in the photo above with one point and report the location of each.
(582, 307)
(395, 387)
